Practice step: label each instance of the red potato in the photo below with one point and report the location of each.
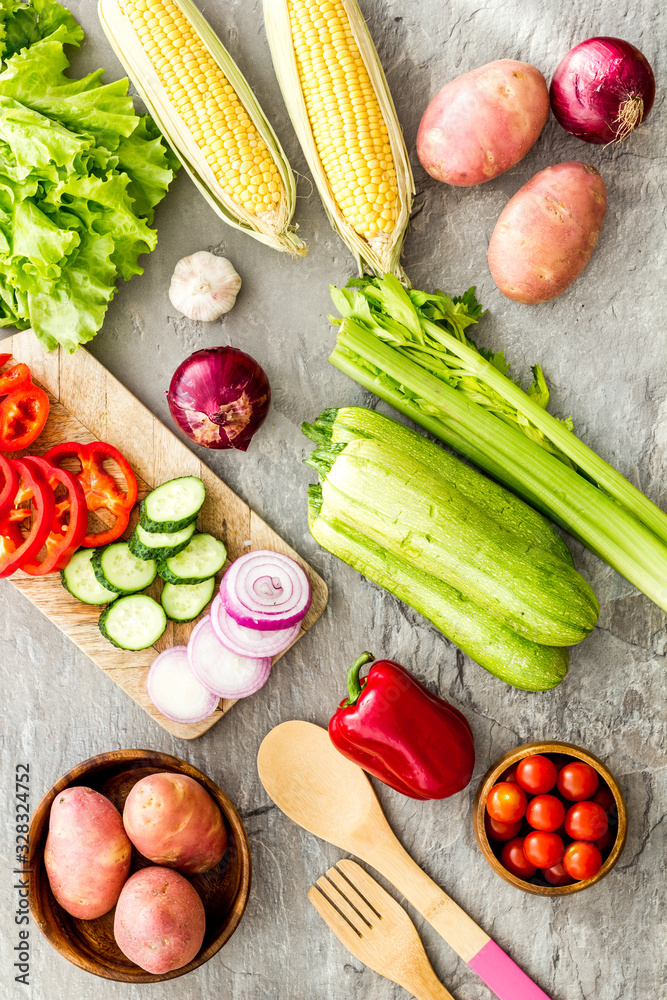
(547, 232)
(173, 821)
(482, 123)
(87, 853)
(159, 922)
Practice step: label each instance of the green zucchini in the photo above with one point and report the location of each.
(133, 622)
(119, 570)
(173, 505)
(203, 557)
(502, 651)
(185, 603)
(335, 428)
(159, 545)
(80, 580)
(419, 516)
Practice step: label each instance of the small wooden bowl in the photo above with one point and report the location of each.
(513, 757)
(90, 944)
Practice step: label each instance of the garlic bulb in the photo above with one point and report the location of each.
(204, 286)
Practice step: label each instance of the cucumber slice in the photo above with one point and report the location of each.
(79, 579)
(173, 505)
(203, 557)
(133, 622)
(184, 603)
(159, 545)
(116, 568)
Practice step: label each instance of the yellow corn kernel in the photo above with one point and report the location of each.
(202, 96)
(345, 116)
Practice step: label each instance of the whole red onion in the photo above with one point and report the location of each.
(219, 397)
(602, 90)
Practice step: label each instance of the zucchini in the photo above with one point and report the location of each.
(416, 514)
(185, 603)
(133, 622)
(202, 558)
(173, 505)
(159, 545)
(118, 569)
(494, 645)
(80, 580)
(335, 428)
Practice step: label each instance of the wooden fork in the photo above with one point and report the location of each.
(375, 929)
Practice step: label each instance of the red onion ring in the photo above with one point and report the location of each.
(602, 90)
(224, 673)
(175, 691)
(252, 642)
(266, 590)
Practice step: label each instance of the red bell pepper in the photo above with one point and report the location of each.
(23, 410)
(101, 490)
(70, 522)
(397, 730)
(9, 484)
(15, 547)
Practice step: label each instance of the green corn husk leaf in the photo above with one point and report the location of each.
(384, 256)
(277, 233)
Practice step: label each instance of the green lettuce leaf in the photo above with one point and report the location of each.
(80, 176)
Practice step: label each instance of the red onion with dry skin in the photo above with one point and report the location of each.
(602, 90)
(219, 397)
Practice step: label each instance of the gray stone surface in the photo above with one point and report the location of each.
(602, 346)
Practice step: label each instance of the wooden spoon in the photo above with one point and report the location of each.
(331, 797)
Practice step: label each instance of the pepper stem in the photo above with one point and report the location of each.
(354, 687)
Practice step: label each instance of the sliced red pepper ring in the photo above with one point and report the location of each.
(9, 483)
(70, 522)
(23, 410)
(15, 548)
(101, 490)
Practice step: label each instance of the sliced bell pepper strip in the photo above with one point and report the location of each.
(101, 490)
(70, 522)
(15, 548)
(23, 410)
(9, 483)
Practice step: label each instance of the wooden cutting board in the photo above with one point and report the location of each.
(89, 404)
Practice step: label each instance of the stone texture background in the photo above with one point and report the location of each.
(602, 346)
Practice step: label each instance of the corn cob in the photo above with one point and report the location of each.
(339, 102)
(207, 112)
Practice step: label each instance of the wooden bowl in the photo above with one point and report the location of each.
(90, 944)
(513, 757)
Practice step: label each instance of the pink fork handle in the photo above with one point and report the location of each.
(504, 976)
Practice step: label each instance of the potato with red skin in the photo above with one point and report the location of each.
(87, 854)
(173, 821)
(483, 122)
(159, 922)
(547, 232)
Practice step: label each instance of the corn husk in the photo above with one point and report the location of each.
(379, 255)
(276, 231)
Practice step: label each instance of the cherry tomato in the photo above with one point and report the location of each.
(556, 875)
(500, 831)
(536, 774)
(586, 821)
(605, 797)
(510, 774)
(544, 850)
(506, 802)
(545, 812)
(607, 841)
(578, 781)
(582, 860)
(515, 860)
